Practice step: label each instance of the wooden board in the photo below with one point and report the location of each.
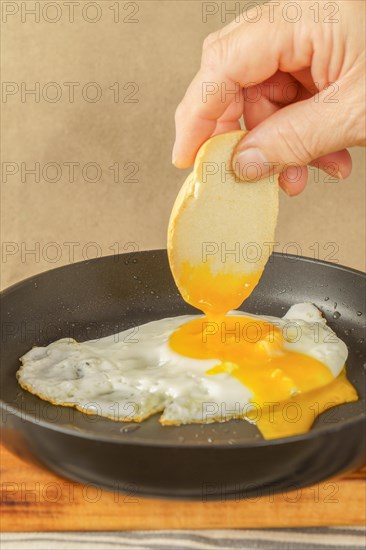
(35, 499)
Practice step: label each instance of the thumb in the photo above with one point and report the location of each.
(294, 135)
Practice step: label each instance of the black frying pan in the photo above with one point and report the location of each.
(222, 460)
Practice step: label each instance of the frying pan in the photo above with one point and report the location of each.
(96, 298)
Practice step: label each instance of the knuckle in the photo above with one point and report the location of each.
(293, 143)
(210, 38)
(355, 125)
(213, 54)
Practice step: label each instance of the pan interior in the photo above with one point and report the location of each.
(100, 297)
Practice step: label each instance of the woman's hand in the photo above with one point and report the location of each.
(300, 86)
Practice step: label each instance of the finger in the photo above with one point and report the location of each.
(338, 164)
(296, 134)
(258, 111)
(283, 89)
(293, 179)
(226, 63)
(230, 119)
(222, 127)
(305, 78)
(265, 99)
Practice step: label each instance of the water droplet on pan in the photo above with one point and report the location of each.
(130, 428)
(336, 315)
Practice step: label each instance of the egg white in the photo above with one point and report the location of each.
(131, 378)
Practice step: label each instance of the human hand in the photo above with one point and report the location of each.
(299, 85)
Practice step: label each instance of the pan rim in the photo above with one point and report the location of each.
(292, 257)
(5, 406)
(183, 444)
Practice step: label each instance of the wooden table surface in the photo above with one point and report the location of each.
(35, 499)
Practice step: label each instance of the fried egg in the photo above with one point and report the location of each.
(277, 373)
(194, 371)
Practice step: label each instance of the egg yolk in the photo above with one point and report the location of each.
(289, 389)
(214, 293)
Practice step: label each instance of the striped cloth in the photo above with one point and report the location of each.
(317, 538)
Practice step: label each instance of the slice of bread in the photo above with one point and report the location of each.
(221, 226)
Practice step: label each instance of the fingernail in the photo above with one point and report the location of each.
(283, 184)
(289, 178)
(331, 173)
(251, 165)
(286, 190)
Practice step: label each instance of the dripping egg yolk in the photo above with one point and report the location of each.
(214, 292)
(285, 384)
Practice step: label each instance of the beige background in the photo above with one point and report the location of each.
(159, 53)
